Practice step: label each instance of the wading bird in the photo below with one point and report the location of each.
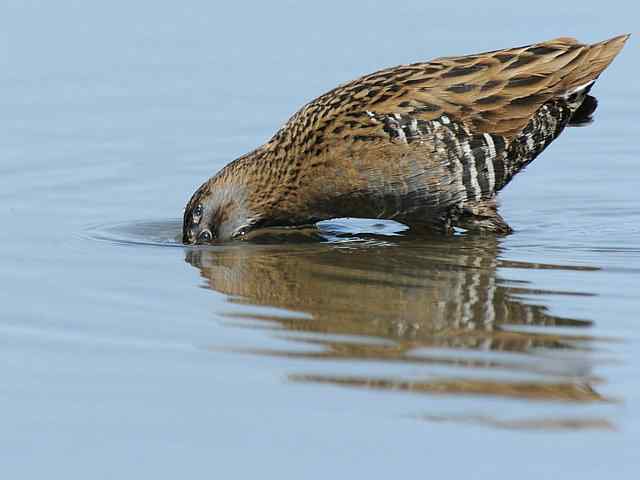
(427, 144)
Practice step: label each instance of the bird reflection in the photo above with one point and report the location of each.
(437, 302)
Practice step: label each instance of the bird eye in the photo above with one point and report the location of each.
(205, 236)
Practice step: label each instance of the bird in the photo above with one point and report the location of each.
(427, 144)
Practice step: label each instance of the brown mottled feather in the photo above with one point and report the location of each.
(427, 143)
(468, 87)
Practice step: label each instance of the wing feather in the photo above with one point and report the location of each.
(495, 92)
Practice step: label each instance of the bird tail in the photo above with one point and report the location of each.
(596, 58)
(572, 106)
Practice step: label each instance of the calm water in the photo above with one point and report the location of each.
(352, 350)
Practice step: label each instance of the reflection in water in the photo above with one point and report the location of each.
(527, 424)
(399, 300)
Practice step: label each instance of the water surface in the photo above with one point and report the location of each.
(353, 349)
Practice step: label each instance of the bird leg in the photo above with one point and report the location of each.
(482, 216)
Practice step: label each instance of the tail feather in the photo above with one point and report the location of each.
(573, 107)
(582, 115)
(594, 60)
(579, 82)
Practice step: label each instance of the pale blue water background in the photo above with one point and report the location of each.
(121, 360)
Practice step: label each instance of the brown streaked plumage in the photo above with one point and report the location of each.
(427, 144)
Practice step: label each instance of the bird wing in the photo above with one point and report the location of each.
(495, 92)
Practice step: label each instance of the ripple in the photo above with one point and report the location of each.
(159, 233)
(168, 233)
